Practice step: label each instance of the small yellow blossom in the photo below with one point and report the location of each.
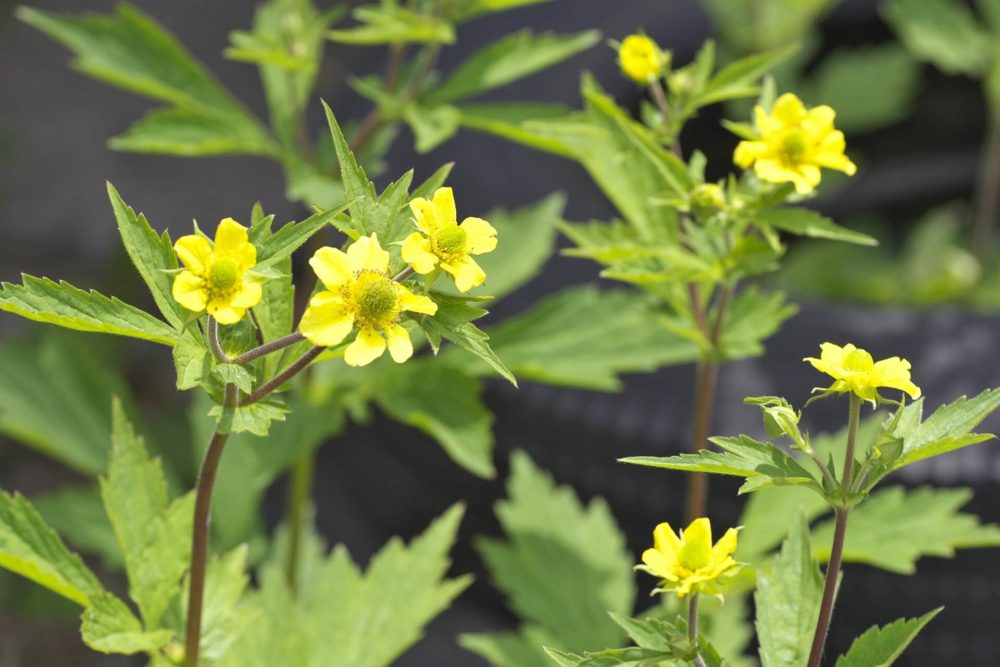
(360, 293)
(690, 563)
(794, 144)
(216, 276)
(641, 58)
(443, 242)
(853, 369)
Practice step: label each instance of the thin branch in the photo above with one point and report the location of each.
(282, 377)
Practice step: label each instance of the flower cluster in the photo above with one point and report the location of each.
(854, 370)
(690, 563)
(794, 144)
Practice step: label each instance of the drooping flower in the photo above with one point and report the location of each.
(443, 242)
(690, 563)
(361, 294)
(216, 276)
(854, 370)
(794, 144)
(641, 59)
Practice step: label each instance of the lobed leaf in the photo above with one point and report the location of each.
(110, 627)
(882, 646)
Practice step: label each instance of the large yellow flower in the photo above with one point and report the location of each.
(690, 563)
(641, 58)
(216, 276)
(794, 144)
(443, 242)
(360, 293)
(854, 370)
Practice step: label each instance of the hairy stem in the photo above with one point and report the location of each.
(839, 533)
(693, 629)
(199, 537)
(988, 191)
(268, 348)
(213, 341)
(299, 492)
(283, 377)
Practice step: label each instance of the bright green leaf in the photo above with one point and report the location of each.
(193, 133)
(805, 222)
(753, 317)
(432, 126)
(453, 321)
(77, 513)
(949, 428)
(942, 32)
(110, 627)
(290, 237)
(390, 23)
(880, 647)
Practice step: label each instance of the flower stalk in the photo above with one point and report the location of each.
(840, 532)
(693, 629)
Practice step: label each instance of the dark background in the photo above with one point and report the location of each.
(384, 480)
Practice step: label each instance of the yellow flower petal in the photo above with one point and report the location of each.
(725, 547)
(326, 321)
(366, 348)
(425, 215)
(224, 312)
(788, 109)
(467, 274)
(854, 370)
(195, 253)
(366, 254)
(481, 235)
(417, 252)
(400, 347)
(249, 295)
(640, 58)
(230, 236)
(415, 303)
(189, 290)
(665, 539)
(747, 152)
(444, 205)
(661, 564)
(332, 267)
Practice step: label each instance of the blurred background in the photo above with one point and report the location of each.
(916, 131)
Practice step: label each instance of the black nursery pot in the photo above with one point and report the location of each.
(386, 480)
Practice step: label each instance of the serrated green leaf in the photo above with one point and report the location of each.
(753, 317)
(349, 618)
(522, 648)
(43, 300)
(255, 418)
(30, 548)
(77, 513)
(518, 124)
(880, 647)
(453, 322)
(153, 257)
(58, 370)
(788, 600)
(290, 237)
(949, 428)
(129, 50)
(562, 565)
(233, 374)
(444, 403)
(110, 627)
(585, 337)
(435, 181)
(767, 515)
(805, 222)
(762, 464)
(870, 87)
(942, 32)
(738, 79)
(193, 363)
(514, 57)
(432, 126)
(390, 23)
(154, 534)
(894, 528)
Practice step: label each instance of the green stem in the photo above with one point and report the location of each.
(839, 533)
(693, 629)
(213, 341)
(299, 493)
(988, 191)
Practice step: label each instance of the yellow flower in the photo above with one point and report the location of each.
(690, 563)
(854, 370)
(640, 58)
(443, 242)
(360, 293)
(794, 143)
(216, 276)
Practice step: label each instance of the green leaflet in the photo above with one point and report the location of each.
(944, 33)
(894, 528)
(949, 428)
(154, 534)
(110, 627)
(880, 647)
(444, 403)
(804, 222)
(77, 513)
(788, 600)
(511, 58)
(562, 565)
(351, 618)
(129, 50)
(43, 300)
(753, 317)
(274, 248)
(30, 548)
(453, 321)
(390, 23)
(586, 337)
(432, 126)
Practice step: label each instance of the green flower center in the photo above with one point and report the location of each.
(375, 299)
(451, 240)
(695, 555)
(793, 144)
(858, 360)
(224, 273)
